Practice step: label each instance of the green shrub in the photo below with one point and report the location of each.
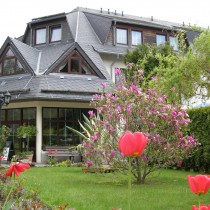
(200, 129)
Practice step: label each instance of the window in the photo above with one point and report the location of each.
(136, 37)
(160, 39)
(55, 33)
(40, 36)
(9, 65)
(122, 36)
(54, 128)
(74, 64)
(174, 42)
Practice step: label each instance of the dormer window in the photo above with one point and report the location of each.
(55, 33)
(9, 65)
(173, 42)
(122, 36)
(74, 64)
(40, 36)
(136, 37)
(160, 39)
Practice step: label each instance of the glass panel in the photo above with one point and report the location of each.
(136, 38)
(9, 66)
(41, 36)
(3, 115)
(85, 69)
(65, 135)
(173, 42)
(50, 113)
(55, 34)
(63, 68)
(9, 53)
(13, 114)
(122, 36)
(0, 69)
(19, 68)
(160, 39)
(49, 133)
(29, 114)
(74, 65)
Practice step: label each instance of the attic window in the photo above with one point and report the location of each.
(74, 64)
(160, 39)
(40, 36)
(9, 64)
(55, 33)
(122, 36)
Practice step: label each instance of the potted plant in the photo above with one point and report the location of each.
(26, 132)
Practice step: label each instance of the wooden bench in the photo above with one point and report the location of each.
(61, 152)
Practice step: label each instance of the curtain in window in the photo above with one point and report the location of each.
(41, 36)
(136, 37)
(173, 42)
(55, 34)
(121, 36)
(160, 39)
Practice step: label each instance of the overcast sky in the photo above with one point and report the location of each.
(15, 14)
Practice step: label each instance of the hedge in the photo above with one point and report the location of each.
(200, 129)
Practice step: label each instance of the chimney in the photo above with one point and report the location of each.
(122, 13)
(152, 18)
(108, 11)
(183, 23)
(101, 10)
(115, 12)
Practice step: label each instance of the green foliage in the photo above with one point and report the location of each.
(87, 129)
(4, 134)
(19, 196)
(187, 72)
(26, 131)
(200, 128)
(147, 56)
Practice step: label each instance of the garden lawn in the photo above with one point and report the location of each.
(163, 190)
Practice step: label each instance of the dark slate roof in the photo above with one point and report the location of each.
(191, 35)
(30, 54)
(89, 29)
(53, 86)
(101, 25)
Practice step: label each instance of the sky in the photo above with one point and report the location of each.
(15, 14)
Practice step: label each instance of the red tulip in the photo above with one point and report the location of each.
(16, 168)
(199, 184)
(202, 207)
(132, 144)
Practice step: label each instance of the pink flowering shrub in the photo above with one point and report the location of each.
(129, 107)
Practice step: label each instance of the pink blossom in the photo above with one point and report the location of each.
(172, 89)
(117, 71)
(89, 163)
(91, 113)
(103, 84)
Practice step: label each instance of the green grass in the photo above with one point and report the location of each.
(163, 190)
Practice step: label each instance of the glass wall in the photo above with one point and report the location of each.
(13, 118)
(54, 125)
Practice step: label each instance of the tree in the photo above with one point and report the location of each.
(146, 56)
(129, 107)
(186, 72)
